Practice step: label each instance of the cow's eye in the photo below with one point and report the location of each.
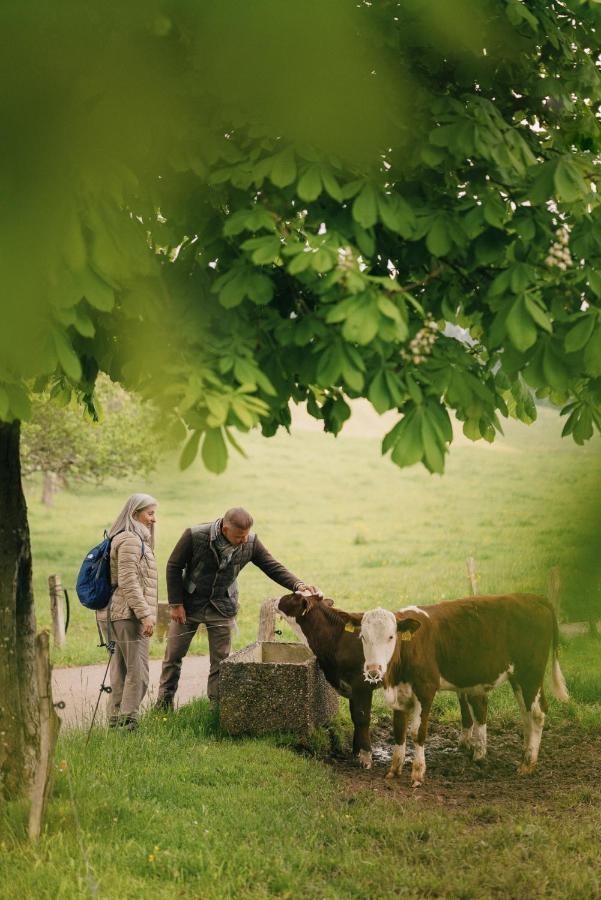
(390, 638)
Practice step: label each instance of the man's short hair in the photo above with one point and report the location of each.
(239, 518)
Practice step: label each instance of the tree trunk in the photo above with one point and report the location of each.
(19, 713)
(48, 488)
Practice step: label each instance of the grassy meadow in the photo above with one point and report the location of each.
(339, 515)
(179, 810)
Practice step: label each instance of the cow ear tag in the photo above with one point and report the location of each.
(352, 628)
(406, 635)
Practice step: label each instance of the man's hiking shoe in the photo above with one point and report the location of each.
(127, 723)
(164, 704)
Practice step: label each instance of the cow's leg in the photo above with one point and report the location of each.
(400, 721)
(478, 704)
(535, 705)
(418, 770)
(360, 707)
(467, 723)
(517, 691)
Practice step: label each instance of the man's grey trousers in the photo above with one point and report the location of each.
(179, 638)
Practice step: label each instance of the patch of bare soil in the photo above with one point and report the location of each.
(569, 762)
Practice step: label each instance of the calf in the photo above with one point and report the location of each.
(469, 646)
(335, 642)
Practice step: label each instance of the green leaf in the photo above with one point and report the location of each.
(538, 313)
(299, 263)
(378, 393)
(330, 366)
(389, 308)
(438, 240)
(214, 451)
(520, 327)
(554, 369)
(396, 214)
(594, 280)
(408, 448)
(569, 183)
(235, 223)
(190, 450)
(83, 323)
(264, 249)
(578, 336)
(232, 440)
(365, 207)
(96, 291)
(415, 392)
(331, 184)
(494, 212)
(395, 388)
(67, 356)
(323, 260)
(234, 287)
(471, 429)
(260, 288)
(309, 186)
(433, 451)
(520, 276)
(283, 170)
(361, 325)
(393, 435)
(20, 404)
(592, 353)
(245, 372)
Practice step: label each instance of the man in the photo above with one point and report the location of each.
(202, 590)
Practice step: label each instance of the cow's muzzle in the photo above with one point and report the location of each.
(373, 673)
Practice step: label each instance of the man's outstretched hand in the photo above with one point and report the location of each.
(308, 589)
(178, 614)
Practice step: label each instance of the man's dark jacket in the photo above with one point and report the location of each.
(194, 576)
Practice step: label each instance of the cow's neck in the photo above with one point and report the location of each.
(394, 671)
(321, 631)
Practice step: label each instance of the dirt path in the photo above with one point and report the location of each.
(78, 688)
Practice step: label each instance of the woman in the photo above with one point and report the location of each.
(132, 608)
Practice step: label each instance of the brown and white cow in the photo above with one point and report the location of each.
(340, 655)
(468, 646)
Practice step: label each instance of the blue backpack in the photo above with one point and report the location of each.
(94, 587)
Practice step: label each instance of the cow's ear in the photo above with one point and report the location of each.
(306, 601)
(327, 601)
(352, 621)
(407, 627)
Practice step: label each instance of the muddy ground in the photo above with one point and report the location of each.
(569, 769)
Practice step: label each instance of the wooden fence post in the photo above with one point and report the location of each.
(267, 621)
(163, 619)
(555, 589)
(471, 574)
(57, 608)
(49, 727)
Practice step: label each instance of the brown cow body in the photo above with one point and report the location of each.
(340, 656)
(468, 646)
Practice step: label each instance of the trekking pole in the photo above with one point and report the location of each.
(104, 688)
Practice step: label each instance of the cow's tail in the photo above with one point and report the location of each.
(558, 682)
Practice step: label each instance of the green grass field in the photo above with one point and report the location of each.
(178, 810)
(340, 515)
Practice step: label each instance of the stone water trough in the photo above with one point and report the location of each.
(274, 686)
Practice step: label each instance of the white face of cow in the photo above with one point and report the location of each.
(379, 634)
